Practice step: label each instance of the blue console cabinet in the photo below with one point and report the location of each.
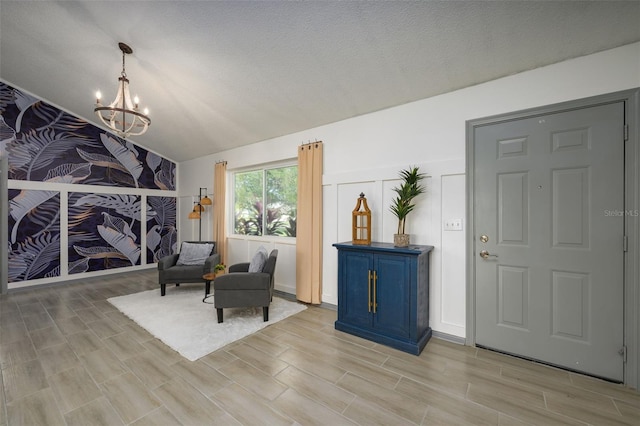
(383, 294)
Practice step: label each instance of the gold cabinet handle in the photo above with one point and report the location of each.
(369, 292)
(375, 290)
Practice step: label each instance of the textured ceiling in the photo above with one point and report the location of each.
(221, 74)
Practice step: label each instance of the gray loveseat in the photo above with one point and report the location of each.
(169, 272)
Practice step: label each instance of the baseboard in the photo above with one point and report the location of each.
(87, 277)
(449, 337)
(292, 297)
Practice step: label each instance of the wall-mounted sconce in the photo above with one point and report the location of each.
(198, 208)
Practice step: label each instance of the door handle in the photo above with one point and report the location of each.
(485, 254)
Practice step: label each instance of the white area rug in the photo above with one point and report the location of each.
(182, 321)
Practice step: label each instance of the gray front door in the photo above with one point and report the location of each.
(549, 229)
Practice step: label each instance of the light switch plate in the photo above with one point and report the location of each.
(453, 225)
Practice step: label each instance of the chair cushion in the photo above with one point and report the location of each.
(194, 253)
(184, 274)
(258, 260)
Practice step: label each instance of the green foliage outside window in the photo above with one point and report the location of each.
(266, 202)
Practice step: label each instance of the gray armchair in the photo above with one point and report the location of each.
(171, 273)
(240, 288)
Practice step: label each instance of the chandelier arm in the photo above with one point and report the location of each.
(124, 99)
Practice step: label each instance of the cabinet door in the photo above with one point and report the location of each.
(393, 295)
(354, 292)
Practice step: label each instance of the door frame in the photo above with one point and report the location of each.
(631, 319)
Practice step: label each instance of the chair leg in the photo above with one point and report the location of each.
(163, 289)
(219, 311)
(265, 313)
(177, 284)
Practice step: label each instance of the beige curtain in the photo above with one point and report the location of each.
(309, 224)
(220, 208)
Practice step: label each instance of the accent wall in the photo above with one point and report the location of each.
(79, 195)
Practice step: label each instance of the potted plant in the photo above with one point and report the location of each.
(409, 189)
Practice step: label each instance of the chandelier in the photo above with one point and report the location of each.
(123, 116)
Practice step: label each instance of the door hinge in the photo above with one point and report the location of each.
(623, 353)
(626, 132)
(625, 243)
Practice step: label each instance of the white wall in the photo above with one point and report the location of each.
(364, 154)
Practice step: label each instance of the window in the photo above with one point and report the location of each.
(265, 201)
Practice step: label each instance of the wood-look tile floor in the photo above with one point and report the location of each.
(68, 357)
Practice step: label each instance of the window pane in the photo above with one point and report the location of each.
(281, 201)
(248, 203)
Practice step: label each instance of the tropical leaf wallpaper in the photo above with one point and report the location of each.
(104, 231)
(34, 232)
(162, 236)
(45, 144)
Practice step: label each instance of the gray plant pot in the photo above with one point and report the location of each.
(401, 240)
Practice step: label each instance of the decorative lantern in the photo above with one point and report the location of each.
(361, 222)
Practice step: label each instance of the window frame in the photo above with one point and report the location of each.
(232, 191)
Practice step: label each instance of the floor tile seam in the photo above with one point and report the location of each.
(535, 411)
(23, 337)
(387, 411)
(265, 402)
(398, 393)
(259, 350)
(626, 392)
(530, 367)
(484, 407)
(268, 354)
(250, 392)
(64, 413)
(341, 354)
(551, 392)
(618, 408)
(548, 391)
(528, 386)
(216, 402)
(79, 355)
(305, 395)
(355, 373)
(402, 375)
(589, 422)
(437, 389)
(13, 402)
(590, 411)
(259, 368)
(106, 395)
(160, 407)
(335, 384)
(504, 395)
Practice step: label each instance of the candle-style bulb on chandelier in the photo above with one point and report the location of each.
(122, 115)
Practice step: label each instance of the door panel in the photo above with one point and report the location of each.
(392, 292)
(356, 267)
(513, 300)
(552, 286)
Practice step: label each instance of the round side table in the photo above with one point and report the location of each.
(207, 281)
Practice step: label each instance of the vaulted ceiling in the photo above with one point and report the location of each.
(221, 74)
